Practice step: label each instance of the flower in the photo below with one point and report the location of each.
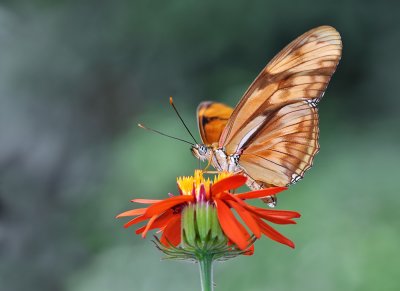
(203, 215)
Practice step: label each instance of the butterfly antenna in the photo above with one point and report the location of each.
(159, 132)
(171, 101)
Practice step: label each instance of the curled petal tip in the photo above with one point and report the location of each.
(290, 244)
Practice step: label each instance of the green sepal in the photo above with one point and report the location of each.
(188, 225)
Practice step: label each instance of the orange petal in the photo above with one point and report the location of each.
(275, 216)
(229, 225)
(166, 204)
(135, 220)
(160, 222)
(278, 220)
(244, 233)
(249, 251)
(172, 232)
(274, 213)
(140, 229)
(261, 193)
(273, 234)
(247, 218)
(132, 212)
(152, 219)
(228, 196)
(146, 201)
(231, 182)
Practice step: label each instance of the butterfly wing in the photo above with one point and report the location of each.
(284, 148)
(212, 118)
(275, 124)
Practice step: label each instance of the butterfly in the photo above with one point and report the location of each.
(271, 136)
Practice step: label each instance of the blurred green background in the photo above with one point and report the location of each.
(77, 76)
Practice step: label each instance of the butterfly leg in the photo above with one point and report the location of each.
(210, 172)
(209, 163)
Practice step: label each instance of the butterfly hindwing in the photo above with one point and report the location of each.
(284, 148)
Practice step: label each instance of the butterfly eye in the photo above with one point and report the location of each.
(202, 150)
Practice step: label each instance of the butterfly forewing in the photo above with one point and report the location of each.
(274, 127)
(300, 72)
(212, 118)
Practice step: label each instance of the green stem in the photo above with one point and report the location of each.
(206, 273)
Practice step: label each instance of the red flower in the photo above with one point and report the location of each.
(166, 215)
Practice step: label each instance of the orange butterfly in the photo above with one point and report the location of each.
(272, 134)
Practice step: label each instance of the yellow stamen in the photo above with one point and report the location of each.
(186, 183)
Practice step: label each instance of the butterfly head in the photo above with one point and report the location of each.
(201, 151)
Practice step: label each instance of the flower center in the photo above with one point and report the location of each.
(197, 184)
